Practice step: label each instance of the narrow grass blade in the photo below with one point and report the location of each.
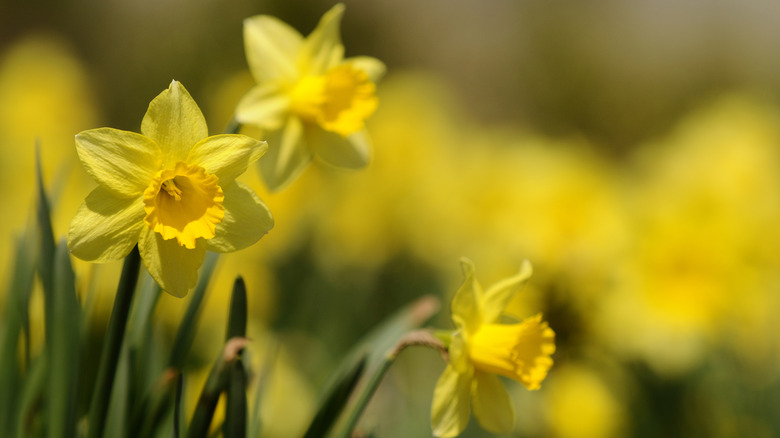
(177, 411)
(47, 245)
(238, 311)
(376, 344)
(13, 325)
(186, 333)
(157, 405)
(215, 384)
(31, 398)
(63, 347)
(113, 344)
(235, 408)
(335, 399)
(420, 338)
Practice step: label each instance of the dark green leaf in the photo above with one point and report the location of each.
(63, 348)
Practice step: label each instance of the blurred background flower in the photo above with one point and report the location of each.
(630, 151)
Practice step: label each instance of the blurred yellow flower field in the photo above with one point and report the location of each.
(500, 132)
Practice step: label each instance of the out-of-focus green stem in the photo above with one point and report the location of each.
(421, 338)
(215, 384)
(233, 126)
(113, 344)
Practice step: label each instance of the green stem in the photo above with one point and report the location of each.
(422, 338)
(365, 396)
(113, 344)
(233, 126)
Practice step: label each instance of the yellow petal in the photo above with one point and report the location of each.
(287, 155)
(496, 298)
(459, 352)
(264, 105)
(322, 49)
(246, 220)
(374, 68)
(175, 122)
(226, 156)
(105, 227)
(271, 48)
(450, 411)
(353, 152)
(173, 267)
(466, 312)
(491, 404)
(123, 162)
(519, 351)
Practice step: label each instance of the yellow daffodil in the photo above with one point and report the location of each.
(171, 189)
(481, 349)
(309, 99)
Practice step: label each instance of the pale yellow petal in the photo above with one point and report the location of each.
(105, 227)
(459, 352)
(353, 152)
(271, 47)
(323, 49)
(175, 122)
(535, 354)
(226, 156)
(173, 267)
(123, 162)
(491, 404)
(287, 155)
(374, 68)
(466, 312)
(265, 105)
(450, 411)
(496, 298)
(246, 220)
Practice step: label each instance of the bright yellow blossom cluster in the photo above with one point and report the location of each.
(309, 98)
(481, 349)
(170, 189)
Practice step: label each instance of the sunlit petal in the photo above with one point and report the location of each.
(173, 267)
(246, 220)
(287, 155)
(496, 298)
(264, 105)
(226, 156)
(466, 312)
(353, 152)
(450, 411)
(323, 49)
(121, 161)
(374, 68)
(105, 227)
(175, 122)
(271, 48)
(491, 404)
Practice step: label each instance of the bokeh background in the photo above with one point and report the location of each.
(630, 150)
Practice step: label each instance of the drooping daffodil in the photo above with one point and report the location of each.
(481, 349)
(170, 189)
(309, 99)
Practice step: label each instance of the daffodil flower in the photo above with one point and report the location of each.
(309, 99)
(170, 189)
(481, 349)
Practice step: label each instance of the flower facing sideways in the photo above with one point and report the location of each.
(170, 189)
(309, 98)
(481, 349)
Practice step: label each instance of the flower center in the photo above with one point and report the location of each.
(339, 101)
(518, 351)
(184, 203)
